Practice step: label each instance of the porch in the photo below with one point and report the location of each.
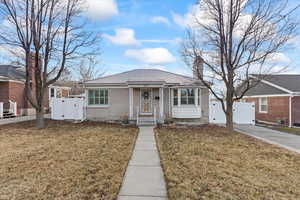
(151, 105)
(148, 105)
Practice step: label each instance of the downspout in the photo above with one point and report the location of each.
(290, 111)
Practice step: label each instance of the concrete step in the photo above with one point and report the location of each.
(146, 124)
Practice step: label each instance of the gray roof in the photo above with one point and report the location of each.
(145, 76)
(264, 89)
(10, 72)
(287, 81)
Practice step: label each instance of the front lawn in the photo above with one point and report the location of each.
(64, 161)
(295, 131)
(210, 163)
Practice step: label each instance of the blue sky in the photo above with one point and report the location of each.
(147, 34)
(155, 32)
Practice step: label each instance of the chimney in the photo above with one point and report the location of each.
(32, 67)
(198, 67)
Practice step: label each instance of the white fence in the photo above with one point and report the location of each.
(243, 113)
(13, 107)
(67, 108)
(1, 110)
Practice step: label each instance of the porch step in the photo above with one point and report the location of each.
(146, 121)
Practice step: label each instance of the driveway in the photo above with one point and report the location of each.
(285, 140)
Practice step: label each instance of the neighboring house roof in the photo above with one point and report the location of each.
(264, 89)
(290, 82)
(10, 72)
(276, 84)
(144, 76)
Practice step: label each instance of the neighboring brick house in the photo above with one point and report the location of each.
(277, 99)
(12, 88)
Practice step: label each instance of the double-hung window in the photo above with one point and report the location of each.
(263, 105)
(52, 92)
(97, 97)
(175, 98)
(187, 96)
(184, 96)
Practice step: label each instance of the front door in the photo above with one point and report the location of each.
(146, 101)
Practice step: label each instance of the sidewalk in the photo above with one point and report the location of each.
(144, 179)
(285, 140)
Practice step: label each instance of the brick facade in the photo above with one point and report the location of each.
(278, 109)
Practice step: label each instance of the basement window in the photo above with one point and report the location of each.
(263, 105)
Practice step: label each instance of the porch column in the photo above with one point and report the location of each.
(130, 103)
(161, 102)
(196, 96)
(179, 96)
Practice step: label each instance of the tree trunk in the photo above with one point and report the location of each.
(40, 122)
(229, 115)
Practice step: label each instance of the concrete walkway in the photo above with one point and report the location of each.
(285, 140)
(20, 119)
(144, 179)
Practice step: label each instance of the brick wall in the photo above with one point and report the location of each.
(278, 109)
(3, 91)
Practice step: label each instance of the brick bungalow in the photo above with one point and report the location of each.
(12, 88)
(277, 99)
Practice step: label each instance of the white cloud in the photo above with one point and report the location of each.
(126, 36)
(123, 36)
(278, 58)
(101, 9)
(194, 16)
(160, 19)
(156, 56)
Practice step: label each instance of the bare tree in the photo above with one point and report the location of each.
(233, 39)
(89, 69)
(51, 34)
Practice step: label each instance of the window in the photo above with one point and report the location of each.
(187, 96)
(98, 97)
(58, 93)
(175, 99)
(52, 92)
(263, 105)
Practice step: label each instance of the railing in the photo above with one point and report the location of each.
(154, 117)
(1, 110)
(137, 115)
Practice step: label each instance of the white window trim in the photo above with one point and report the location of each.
(260, 103)
(97, 105)
(197, 93)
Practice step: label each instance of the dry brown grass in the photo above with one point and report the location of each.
(209, 163)
(64, 161)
